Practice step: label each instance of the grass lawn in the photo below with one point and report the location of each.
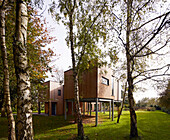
(153, 125)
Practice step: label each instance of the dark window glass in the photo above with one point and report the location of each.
(105, 81)
(112, 86)
(59, 92)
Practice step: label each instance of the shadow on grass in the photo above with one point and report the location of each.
(46, 123)
(52, 127)
(151, 125)
(3, 127)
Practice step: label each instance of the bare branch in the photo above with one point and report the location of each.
(73, 6)
(139, 10)
(153, 36)
(153, 52)
(150, 77)
(119, 34)
(150, 21)
(40, 15)
(67, 8)
(168, 65)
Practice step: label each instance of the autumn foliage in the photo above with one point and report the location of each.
(39, 55)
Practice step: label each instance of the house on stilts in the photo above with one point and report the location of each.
(97, 86)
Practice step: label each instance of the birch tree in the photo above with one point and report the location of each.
(143, 33)
(24, 124)
(84, 21)
(2, 24)
(6, 91)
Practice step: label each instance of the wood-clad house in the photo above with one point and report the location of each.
(53, 98)
(96, 86)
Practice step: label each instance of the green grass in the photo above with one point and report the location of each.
(151, 126)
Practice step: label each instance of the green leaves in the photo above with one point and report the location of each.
(89, 20)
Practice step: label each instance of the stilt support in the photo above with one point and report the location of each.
(112, 110)
(96, 112)
(65, 109)
(72, 108)
(90, 108)
(104, 108)
(109, 109)
(83, 109)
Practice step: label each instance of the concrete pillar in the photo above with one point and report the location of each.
(96, 112)
(72, 108)
(84, 109)
(104, 108)
(90, 108)
(65, 109)
(101, 106)
(112, 110)
(109, 109)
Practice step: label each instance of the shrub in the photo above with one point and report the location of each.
(157, 107)
(151, 108)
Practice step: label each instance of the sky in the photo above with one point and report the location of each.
(63, 58)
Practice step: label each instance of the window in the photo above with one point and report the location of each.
(105, 81)
(59, 92)
(112, 86)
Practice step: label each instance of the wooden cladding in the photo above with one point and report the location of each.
(94, 83)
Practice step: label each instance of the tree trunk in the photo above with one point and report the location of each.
(2, 38)
(24, 107)
(75, 77)
(77, 108)
(133, 118)
(7, 100)
(122, 103)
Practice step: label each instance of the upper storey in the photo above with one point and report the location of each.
(52, 91)
(94, 83)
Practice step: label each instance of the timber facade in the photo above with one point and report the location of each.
(97, 87)
(53, 98)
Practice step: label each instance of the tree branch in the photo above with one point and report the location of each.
(168, 65)
(150, 21)
(150, 77)
(159, 29)
(139, 10)
(153, 52)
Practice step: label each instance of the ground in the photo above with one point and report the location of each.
(152, 125)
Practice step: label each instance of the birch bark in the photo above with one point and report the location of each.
(75, 77)
(24, 112)
(6, 91)
(133, 117)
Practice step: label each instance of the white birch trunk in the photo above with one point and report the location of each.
(24, 111)
(7, 100)
(133, 117)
